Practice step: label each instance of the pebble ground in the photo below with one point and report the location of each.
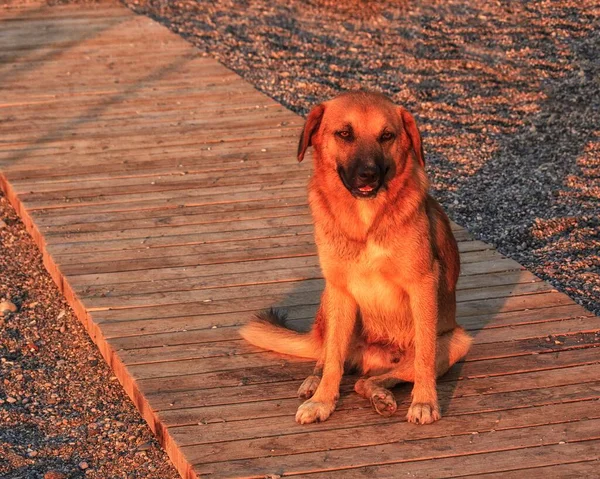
(62, 412)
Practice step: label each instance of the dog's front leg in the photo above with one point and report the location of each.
(340, 312)
(424, 307)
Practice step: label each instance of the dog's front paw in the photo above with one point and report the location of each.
(313, 411)
(308, 387)
(423, 413)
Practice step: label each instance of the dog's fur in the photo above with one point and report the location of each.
(389, 260)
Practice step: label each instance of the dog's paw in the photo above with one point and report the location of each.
(313, 411)
(308, 387)
(423, 413)
(383, 401)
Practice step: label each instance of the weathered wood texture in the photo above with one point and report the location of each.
(164, 194)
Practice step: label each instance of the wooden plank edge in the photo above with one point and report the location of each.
(130, 386)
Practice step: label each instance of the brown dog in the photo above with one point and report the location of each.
(389, 260)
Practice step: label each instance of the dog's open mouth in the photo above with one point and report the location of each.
(357, 188)
(366, 191)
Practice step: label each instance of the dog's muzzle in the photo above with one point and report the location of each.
(362, 181)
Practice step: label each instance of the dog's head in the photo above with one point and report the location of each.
(364, 138)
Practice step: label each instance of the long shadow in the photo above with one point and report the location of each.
(56, 42)
(65, 130)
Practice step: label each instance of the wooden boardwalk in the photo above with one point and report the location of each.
(165, 196)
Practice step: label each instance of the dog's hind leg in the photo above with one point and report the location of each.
(451, 347)
(310, 384)
(375, 390)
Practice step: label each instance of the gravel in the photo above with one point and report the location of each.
(507, 95)
(62, 412)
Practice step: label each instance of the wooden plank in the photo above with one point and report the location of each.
(170, 148)
(173, 183)
(187, 400)
(495, 342)
(264, 369)
(540, 455)
(207, 98)
(58, 143)
(179, 216)
(239, 119)
(284, 268)
(197, 426)
(225, 325)
(302, 305)
(285, 245)
(200, 434)
(11, 152)
(289, 295)
(211, 175)
(571, 470)
(244, 124)
(306, 258)
(35, 12)
(396, 433)
(565, 319)
(235, 232)
(177, 196)
(478, 463)
(189, 200)
(225, 374)
(218, 252)
(409, 449)
(134, 228)
(168, 213)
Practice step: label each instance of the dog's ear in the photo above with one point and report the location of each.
(410, 125)
(313, 120)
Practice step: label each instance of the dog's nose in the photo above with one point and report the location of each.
(367, 174)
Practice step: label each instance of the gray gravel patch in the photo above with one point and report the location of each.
(62, 412)
(507, 95)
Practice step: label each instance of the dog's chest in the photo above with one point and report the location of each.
(366, 214)
(371, 279)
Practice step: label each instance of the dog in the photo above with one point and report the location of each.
(389, 259)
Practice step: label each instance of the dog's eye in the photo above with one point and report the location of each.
(344, 135)
(386, 136)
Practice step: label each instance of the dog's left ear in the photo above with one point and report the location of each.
(313, 120)
(410, 125)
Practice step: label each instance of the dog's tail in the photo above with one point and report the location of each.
(267, 330)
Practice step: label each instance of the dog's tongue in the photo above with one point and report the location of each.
(366, 189)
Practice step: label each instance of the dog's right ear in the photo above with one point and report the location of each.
(313, 120)
(410, 125)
